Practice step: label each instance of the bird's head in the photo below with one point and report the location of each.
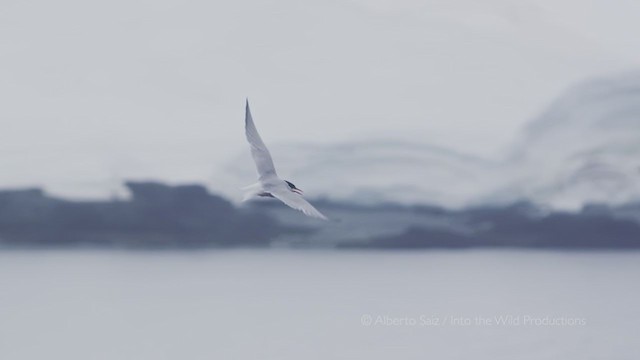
(293, 187)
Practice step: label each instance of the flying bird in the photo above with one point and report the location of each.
(269, 184)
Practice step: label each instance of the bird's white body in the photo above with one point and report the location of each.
(255, 191)
(269, 184)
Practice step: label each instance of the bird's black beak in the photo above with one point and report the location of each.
(297, 191)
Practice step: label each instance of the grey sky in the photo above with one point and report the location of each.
(95, 91)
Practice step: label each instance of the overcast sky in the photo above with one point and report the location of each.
(96, 91)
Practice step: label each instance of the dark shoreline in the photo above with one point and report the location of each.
(188, 217)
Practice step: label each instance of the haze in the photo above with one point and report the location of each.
(93, 93)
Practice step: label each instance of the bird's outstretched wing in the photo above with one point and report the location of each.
(259, 151)
(297, 202)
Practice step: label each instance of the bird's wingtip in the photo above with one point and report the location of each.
(247, 110)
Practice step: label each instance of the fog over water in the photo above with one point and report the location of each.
(277, 304)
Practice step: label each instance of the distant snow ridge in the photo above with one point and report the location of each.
(370, 172)
(584, 148)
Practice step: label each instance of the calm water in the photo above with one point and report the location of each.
(319, 305)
